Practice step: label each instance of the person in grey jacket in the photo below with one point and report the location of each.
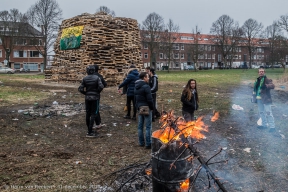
(91, 86)
(143, 97)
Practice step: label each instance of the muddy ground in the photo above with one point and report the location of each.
(46, 150)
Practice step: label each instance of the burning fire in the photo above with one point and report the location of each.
(215, 117)
(184, 186)
(191, 129)
(148, 171)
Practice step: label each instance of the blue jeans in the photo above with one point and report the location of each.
(266, 114)
(147, 119)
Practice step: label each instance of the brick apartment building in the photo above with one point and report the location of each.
(210, 56)
(24, 53)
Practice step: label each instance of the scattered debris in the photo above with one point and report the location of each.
(237, 107)
(247, 150)
(78, 162)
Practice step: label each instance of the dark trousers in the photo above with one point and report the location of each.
(188, 116)
(128, 104)
(155, 111)
(98, 117)
(91, 108)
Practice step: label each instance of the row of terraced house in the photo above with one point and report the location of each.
(26, 55)
(210, 56)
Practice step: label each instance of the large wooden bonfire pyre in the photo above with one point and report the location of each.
(113, 43)
(172, 166)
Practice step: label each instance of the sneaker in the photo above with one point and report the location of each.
(100, 126)
(141, 145)
(91, 135)
(127, 117)
(261, 127)
(148, 147)
(272, 130)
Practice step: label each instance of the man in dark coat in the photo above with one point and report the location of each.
(91, 87)
(262, 87)
(98, 117)
(143, 97)
(153, 83)
(132, 76)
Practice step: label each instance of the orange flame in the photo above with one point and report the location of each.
(184, 186)
(215, 117)
(148, 171)
(191, 129)
(164, 135)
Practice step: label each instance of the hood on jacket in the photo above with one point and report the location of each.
(132, 70)
(139, 83)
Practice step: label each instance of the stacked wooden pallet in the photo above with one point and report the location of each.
(113, 43)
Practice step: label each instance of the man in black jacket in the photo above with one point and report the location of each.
(98, 117)
(91, 87)
(143, 97)
(153, 83)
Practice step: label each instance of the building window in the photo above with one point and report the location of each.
(145, 46)
(182, 56)
(35, 54)
(209, 56)
(20, 54)
(35, 41)
(176, 46)
(16, 65)
(182, 47)
(0, 41)
(31, 66)
(0, 53)
(20, 41)
(209, 48)
(213, 48)
(176, 55)
(160, 55)
(219, 58)
(286, 58)
(145, 55)
(239, 56)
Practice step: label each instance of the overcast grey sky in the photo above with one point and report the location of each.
(186, 13)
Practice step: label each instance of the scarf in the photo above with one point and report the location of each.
(257, 90)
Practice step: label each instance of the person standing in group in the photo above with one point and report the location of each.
(98, 117)
(189, 99)
(91, 86)
(143, 97)
(132, 76)
(262, 87)
(153, 83)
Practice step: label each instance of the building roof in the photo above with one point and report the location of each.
(27, 29)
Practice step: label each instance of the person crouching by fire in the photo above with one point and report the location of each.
(189, 99)
(91, 86)
(143, 99)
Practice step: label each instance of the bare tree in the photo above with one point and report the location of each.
(46, 15)
(105, 10)
(167, 44)
(151, 30)
(283, 22)
(195, 50)
(251, 31)
(274, 35)
(227, 35)
(11, 24)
